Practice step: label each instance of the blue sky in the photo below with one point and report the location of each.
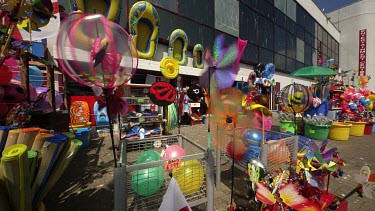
(330, 5)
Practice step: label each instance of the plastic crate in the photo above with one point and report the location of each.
(130, 150)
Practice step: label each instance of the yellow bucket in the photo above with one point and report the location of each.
(339, 131)
(357, 129)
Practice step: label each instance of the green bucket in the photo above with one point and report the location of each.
(288, 126)
(317, 132)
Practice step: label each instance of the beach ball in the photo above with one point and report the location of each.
(173, 151)
(253, 134)
(236, 149)
(147, 181)
(36, 78)
(5, 74)
(105, 46)
(44, 104)
(148, 156)
(189, 176)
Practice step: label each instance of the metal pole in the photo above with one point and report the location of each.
(120, 189)
(210, 181)
(218, 164)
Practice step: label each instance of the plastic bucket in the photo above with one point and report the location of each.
(288, 126)
(357, 129)
(316, 132)
(368, 128)
(339, 131)
(83, 134)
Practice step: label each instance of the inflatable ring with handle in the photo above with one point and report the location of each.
(144, 29)
(109, 8)
(178, 43)
(198, 56)
(169, 68)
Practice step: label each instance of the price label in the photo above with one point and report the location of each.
(169, 165)
(141, 100)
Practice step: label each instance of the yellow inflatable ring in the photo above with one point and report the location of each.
(169, 68)
(198, 56)
(178, 43)
(144, 29)
(109, 8)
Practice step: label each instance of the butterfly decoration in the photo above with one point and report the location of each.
(367, 181)
(287, 194)
(223, 64)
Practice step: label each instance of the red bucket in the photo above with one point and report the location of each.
(368, 129)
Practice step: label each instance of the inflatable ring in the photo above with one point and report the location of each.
(110, 9)
(178, 43)
(198, 56)
(169, 68)
(144, 28)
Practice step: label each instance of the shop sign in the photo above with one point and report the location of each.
(362, 53)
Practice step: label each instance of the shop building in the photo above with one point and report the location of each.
(291, 34)
(356, 23)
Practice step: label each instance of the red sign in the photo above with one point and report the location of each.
(319, 54)
(362, 53)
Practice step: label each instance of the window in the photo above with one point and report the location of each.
(197, 33)
(251, 53)
(309, 39)
(198, 10)
(229, 22)
(300, 32)
(280, 18)
(251, 3)
(266, 9)
(280, 40)
(265, 56)
(291, 46)
(299, 65)
(324, 49)
(320, 33)
(248, 24)
(229, 39)
(170, 23)
(329, 43)
(325, 37)
(290, 65)
(301, 13)
(280, 61)
(308, 55)
(300, 50)
(281, 5)
(337, 47)
(170, 5)
(291, 25)
(265, 33)
(310, 23)
(314, 57)
(291, 10)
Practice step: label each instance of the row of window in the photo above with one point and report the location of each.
(278, 31)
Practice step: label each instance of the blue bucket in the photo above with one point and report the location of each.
(83, 134)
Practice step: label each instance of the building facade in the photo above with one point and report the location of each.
(350, 20)
(289, 33)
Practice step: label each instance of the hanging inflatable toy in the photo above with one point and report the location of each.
(169, 68)
(144, 29)
(109, 8)
(198, 56)
(177, 48)
(162, 93)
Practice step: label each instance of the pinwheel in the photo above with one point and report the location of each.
(287, 194)
(223, 64)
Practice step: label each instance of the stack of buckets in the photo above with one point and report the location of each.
(82, 134)
(317, 132)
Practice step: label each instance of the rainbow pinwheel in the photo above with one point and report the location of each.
(224, 64)
(288, 195)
